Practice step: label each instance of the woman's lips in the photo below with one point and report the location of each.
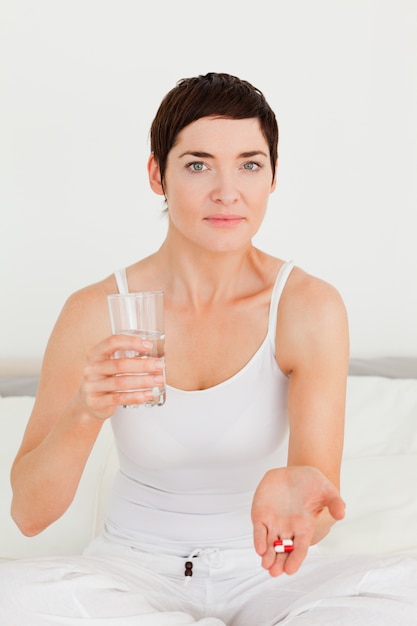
(224, 221)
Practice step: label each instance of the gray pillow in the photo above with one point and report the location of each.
(18, 385)
(390, 367)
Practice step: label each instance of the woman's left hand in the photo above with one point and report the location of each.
(287, 505)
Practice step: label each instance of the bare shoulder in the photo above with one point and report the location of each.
(312, 322)
(304, 290)
(86, 310)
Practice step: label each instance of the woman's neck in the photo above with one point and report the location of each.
(203, 276)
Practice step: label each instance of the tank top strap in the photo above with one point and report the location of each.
(121, 280)
(280, 281)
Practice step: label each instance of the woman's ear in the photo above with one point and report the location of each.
(154, 175)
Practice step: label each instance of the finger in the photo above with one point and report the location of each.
(296, 557)
(132, 397)
(277, 566)
(290, 562)
(106, 348)
(337, 508)
(269, 556)
(123, 384)
(104, 405)
(106, 368)
(260, 538)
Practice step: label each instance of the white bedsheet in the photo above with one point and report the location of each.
(363, 591)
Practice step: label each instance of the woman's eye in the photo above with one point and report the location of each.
(251, 166)
(196, 166)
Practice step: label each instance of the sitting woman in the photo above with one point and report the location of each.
(223, 490)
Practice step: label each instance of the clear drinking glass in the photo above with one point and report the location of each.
(141, 314)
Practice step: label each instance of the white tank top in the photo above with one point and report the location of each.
(189, 469)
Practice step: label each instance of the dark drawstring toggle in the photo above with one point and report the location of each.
(188, 568)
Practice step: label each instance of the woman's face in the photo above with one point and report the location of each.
(217, 182)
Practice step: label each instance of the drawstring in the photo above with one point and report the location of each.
(209, 556)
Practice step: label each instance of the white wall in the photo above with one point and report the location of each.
(80, 82)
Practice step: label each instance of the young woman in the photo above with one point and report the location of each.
(245, 452)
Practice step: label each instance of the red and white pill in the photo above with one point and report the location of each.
(283, 545)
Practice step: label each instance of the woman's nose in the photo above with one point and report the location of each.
(225, 190)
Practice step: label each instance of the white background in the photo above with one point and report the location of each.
(80, 83)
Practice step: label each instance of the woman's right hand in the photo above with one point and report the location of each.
(111, 380)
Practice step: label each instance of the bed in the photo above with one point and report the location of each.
(379, 476)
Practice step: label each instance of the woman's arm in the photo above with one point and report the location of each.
(80, 387)
(313, 349)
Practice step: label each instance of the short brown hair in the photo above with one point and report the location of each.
(208, 95)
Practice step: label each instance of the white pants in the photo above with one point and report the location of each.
(113, 585)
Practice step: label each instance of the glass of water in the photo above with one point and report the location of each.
(141, 314)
